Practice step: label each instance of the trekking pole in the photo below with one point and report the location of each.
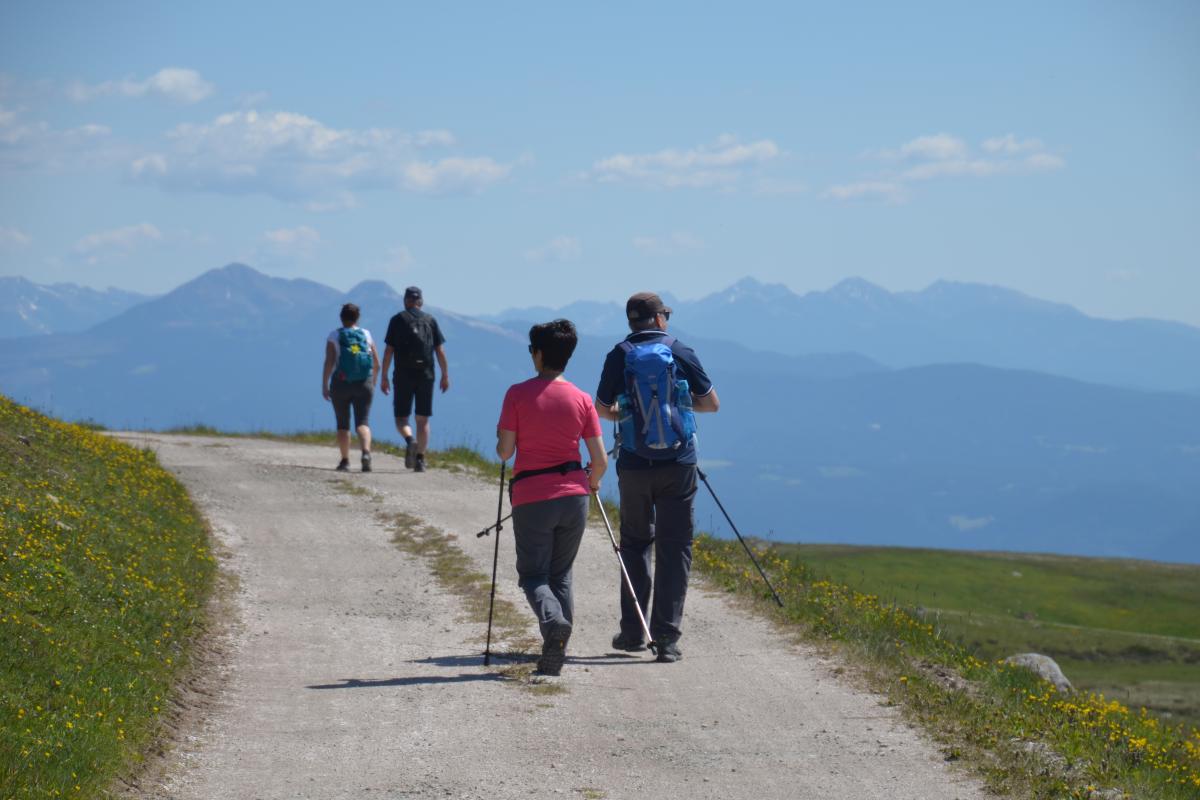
(749, 552)
(499, 526)
(653, 645)
(489, 528)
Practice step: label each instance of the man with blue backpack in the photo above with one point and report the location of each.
(348, 381)
(651, 385)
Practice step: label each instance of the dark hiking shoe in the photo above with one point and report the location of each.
(366, 462)
(554, 649)
(419, 464)
(343, 465)
(630, 644)
(669, 652)
(410, 454)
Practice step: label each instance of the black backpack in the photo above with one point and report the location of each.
(417, 352)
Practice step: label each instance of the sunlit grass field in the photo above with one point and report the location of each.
(1021, 735)
(104, 572)
(1129, 629)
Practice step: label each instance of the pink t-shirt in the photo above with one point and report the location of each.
(549, 418)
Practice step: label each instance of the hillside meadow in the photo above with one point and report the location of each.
(1129, 629)
(104, 573)
(1022, 736)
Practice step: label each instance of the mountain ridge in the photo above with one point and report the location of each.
(819, 447)
(947, 322)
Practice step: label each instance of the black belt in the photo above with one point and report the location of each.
(561, 469)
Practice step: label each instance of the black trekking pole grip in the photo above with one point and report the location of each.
(487, 650)
(749, 552)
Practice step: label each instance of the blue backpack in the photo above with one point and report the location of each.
(354, 355)
(656, 418)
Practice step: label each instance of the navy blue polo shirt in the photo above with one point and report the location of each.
(612, 383)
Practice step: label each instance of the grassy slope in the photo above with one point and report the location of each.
(1024, 738)
(104, 570)
(1129, 629)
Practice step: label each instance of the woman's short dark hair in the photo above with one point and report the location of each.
(555, 341)
(349, 314)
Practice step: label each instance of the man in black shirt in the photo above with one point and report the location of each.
(414, 339)
(656, 493)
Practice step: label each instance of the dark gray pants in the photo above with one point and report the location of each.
(656, 509)
(548, 534)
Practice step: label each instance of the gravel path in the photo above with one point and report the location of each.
(348, 673)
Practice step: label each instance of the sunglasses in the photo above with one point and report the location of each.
(531, 349)
(666, 315)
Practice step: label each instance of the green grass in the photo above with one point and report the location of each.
(1020, 735)
(1128, 629)
(104, 574)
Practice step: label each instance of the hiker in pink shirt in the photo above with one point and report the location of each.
(543, 420)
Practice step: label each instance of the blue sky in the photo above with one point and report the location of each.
(542, 153)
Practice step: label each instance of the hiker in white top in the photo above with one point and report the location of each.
(348, 381)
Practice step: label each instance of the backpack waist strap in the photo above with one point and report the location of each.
(561, 469)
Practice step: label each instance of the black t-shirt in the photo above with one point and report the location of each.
(400, 338)
(612, 383)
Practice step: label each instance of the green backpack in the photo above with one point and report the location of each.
(354, 355)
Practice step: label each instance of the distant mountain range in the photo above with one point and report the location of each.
(946, 323)
(28, 308)
(817, 447)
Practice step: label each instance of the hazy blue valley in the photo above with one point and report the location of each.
(962, 416)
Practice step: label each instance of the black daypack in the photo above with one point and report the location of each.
(417, 352)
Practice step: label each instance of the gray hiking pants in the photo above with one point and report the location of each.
(548, 534)
(656, 509)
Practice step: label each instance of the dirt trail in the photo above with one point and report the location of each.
(350, 674)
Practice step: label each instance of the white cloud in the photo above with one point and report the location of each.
(176, 84)
(116, 242)
(942, 155)
(939, 147)
(560, 248)
(669, 245)
(965, 523)
(34, 144)
(296, 158)
(14, 237)
(451, 174)
(301, 241)
(1010, 145)
(890, 191)
(723, 163)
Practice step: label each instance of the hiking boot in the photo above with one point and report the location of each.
(366, 462)
(554, 648)
(669, 652)
(419, 464)
(343, 465)
(410, 453)
(630, 644)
